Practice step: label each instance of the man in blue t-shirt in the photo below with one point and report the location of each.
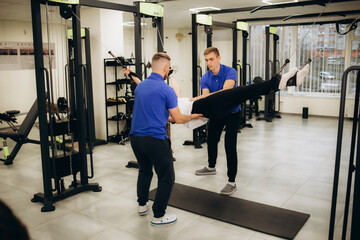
(218, 78)
(154, 100)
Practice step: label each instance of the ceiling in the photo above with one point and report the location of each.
(177, 14)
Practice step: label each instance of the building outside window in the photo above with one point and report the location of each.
(326, 48)
(322, 44)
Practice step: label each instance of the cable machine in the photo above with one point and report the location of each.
(269, 111)
(244, 29)
(89, 105)
(146, 10)
(353, 171)
(57, 164)
(200, 133)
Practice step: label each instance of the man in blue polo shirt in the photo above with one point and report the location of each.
(154, 100)
(218, 78)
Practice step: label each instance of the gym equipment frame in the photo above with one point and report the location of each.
(269, 111)
(200, 133)
(354, 169)
(140, 9)
(55, 167)
(243, 28)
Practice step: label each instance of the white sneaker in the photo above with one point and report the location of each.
(143, 210)
(164, 220)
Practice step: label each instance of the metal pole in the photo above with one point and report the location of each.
(194, 70)
(351, 168)
(267, 70)
(244, 57)
(235, 48)
(355, 231)
(81, 116)
(137, 35)
(41, 101)
(208, 38)
(276, 38)
(194, 54)
(89, 87)
(160, 35)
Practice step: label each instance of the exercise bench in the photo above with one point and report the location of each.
(20, 135)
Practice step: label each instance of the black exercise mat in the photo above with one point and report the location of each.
(256, 216)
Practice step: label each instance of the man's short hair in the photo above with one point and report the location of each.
(210, 50)
(160, 55)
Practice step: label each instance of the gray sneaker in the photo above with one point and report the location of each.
(205, 171)
(228, 190)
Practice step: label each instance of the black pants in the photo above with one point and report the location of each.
(219, 104)
(149, 152)
(216, 126)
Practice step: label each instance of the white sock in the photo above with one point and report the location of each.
(286, 77)
(232, 184)
(300, 76)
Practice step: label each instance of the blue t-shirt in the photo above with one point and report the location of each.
(216, 82)
(153, 98)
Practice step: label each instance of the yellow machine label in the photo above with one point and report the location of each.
(273, 30)
(70, 33)
(152, 9)
(204, 19)
(66, 1)
(243, 26)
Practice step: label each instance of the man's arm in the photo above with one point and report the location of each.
(228, 84)
(134, 78)
(180, 118)
(204, 93)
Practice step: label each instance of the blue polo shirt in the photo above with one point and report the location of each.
(153, 98)
(216, 82)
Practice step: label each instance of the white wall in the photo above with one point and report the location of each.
(318, 105)
(106, 34)
(18, 87)
(321, 106)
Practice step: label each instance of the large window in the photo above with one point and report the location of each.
(326, 48)
(284, 47)
(321, 43)
(257, 51)
(355, 60)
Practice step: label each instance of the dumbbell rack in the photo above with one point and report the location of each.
(117, 85)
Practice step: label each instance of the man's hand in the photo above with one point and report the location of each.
(196, 116)
(180, 118)
(126, 71)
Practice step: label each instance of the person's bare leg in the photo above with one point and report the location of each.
(175, 86)
(286, 77)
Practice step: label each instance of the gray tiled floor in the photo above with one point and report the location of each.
(286, 163)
